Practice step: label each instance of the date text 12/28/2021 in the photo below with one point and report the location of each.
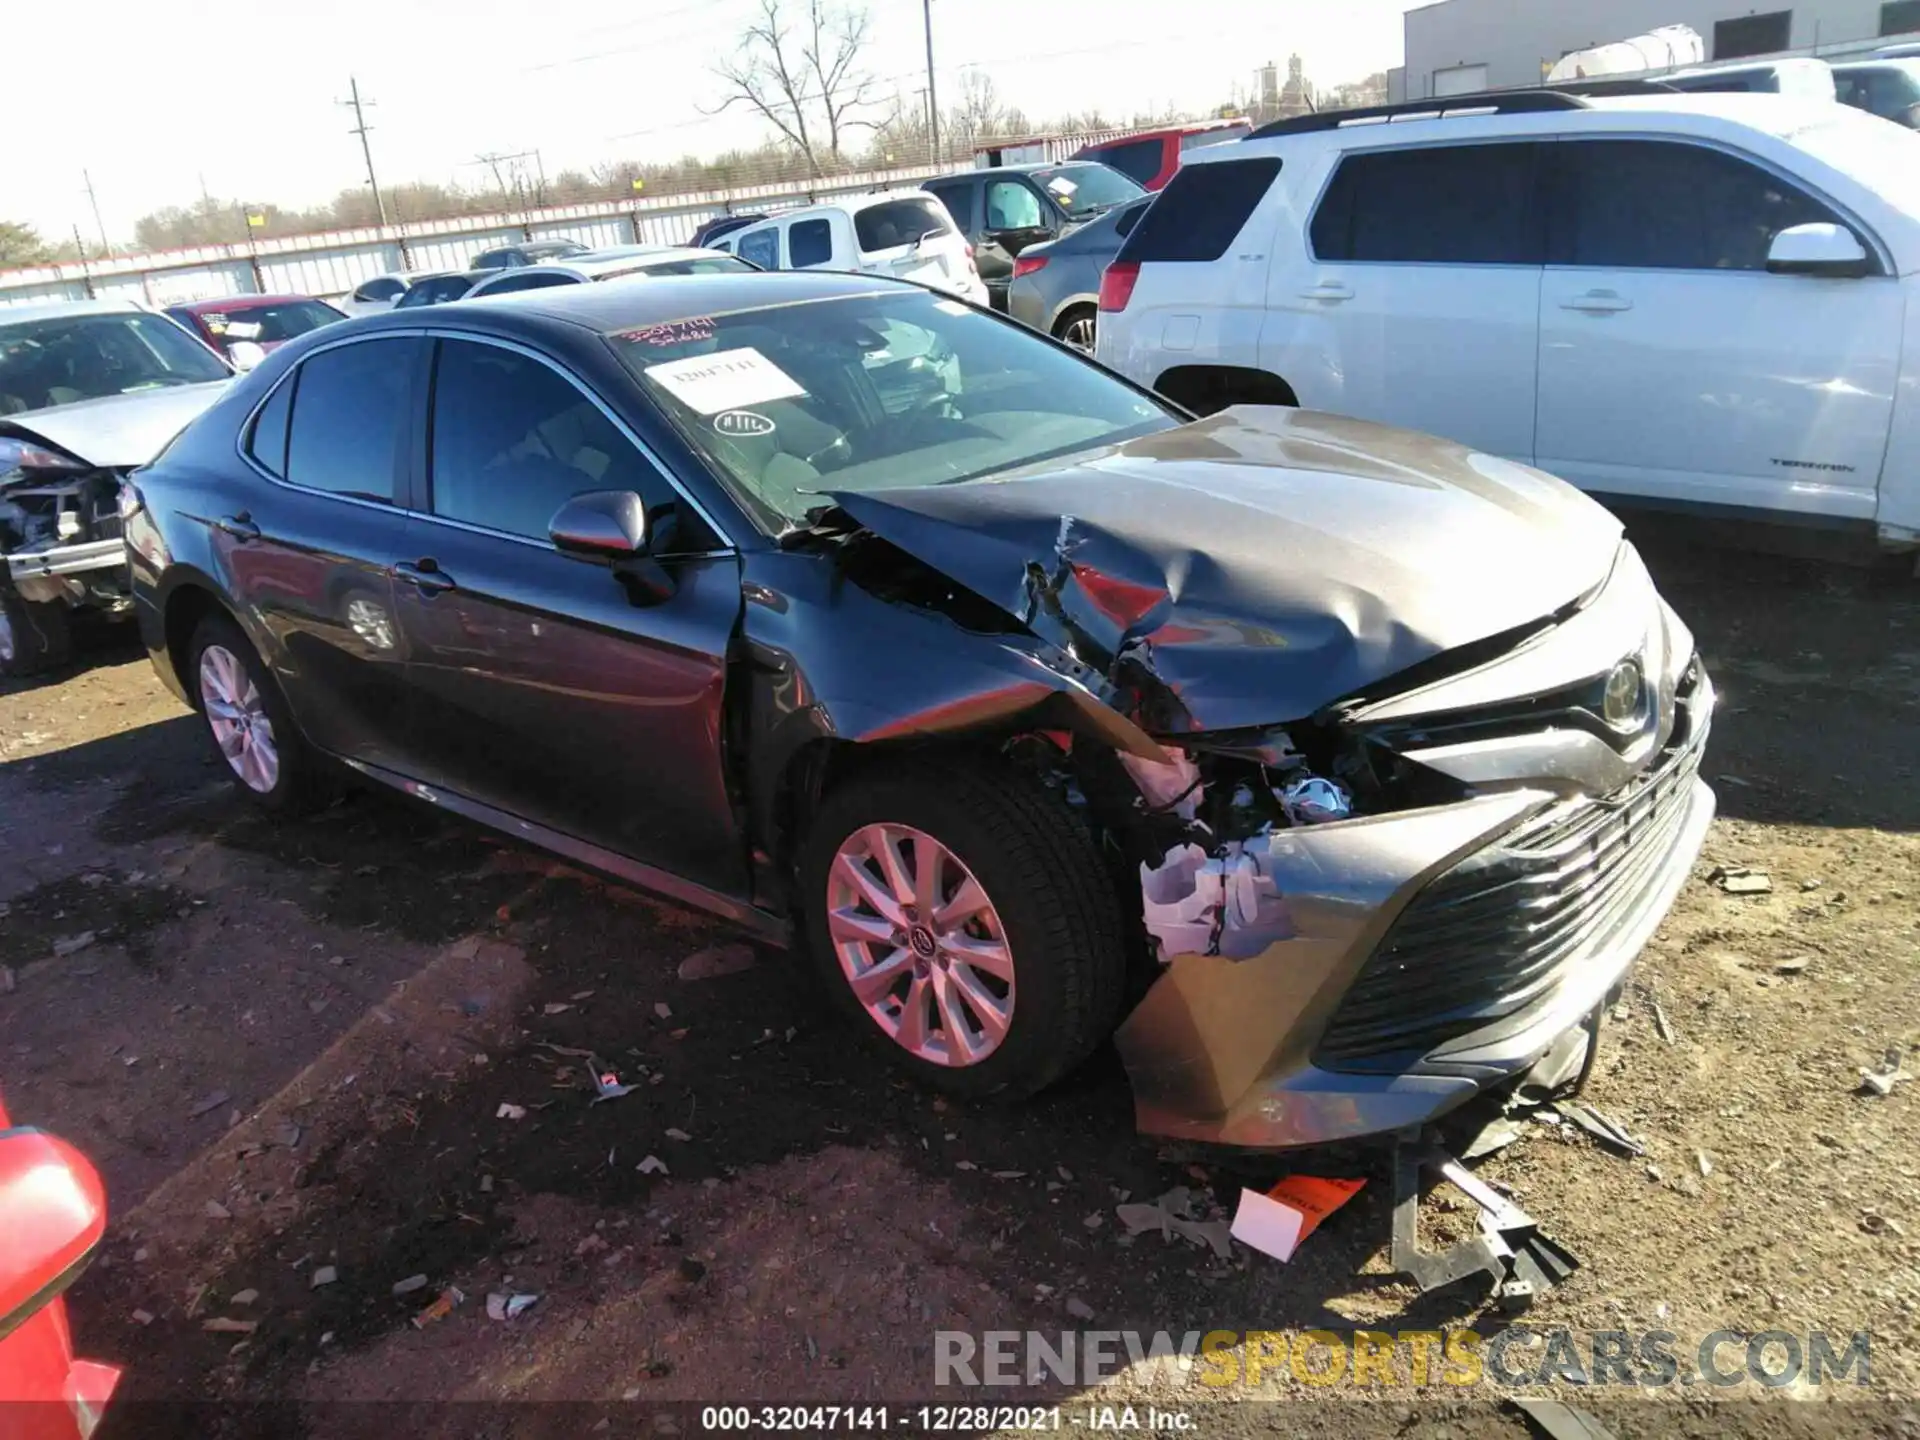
(938, 1419)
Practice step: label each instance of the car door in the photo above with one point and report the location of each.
(1413, 297)
(310, 546)
(1675, 367)
(542, 687)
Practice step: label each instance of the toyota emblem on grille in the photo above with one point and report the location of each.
(1620, 706)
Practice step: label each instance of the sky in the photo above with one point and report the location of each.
(239, 96)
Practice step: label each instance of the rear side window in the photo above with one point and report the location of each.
(349, 417)
(1450, 205)
(809, 242)
(761, 247)
(1138, 160)
(1657, 205)
(957, 197)
(268, 442)
(1202, 210)
(893, 223)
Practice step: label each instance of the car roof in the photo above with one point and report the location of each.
(240, 302)
(55, 309)
(608, 309)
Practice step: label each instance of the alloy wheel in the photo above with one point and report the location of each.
(921, 945)
(1079, 334)
(238, 718)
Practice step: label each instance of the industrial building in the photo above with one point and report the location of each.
(1458, 46)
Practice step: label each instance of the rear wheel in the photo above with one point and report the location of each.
(247, 719)
(34, 635)
(1076, 328)
(963, 922)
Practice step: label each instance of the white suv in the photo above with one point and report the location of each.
(1690, 301)
(904, 233)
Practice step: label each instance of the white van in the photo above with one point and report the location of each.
(904, 233)
(1808, 79)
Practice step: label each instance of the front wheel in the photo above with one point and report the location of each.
(963, 922)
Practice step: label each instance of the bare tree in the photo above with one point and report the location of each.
(805, 83)
(978, 111)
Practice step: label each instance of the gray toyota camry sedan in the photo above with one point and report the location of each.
(1334, 772)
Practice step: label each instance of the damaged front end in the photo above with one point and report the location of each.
(60, 528)
(1476, 805)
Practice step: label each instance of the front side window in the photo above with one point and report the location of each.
(1659, 205)
(61, 360)
(809, 242)
(1013, 205)
(894, 223)
(873, 391)
(761, 247)
(350, 413)
(1447, 204)
(1138, 160)
(513, 441)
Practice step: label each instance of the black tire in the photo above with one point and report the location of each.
(299, 785)
(37, 636)
(1041, 869)
(1063, 329)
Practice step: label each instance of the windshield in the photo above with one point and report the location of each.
(44, 363)
(268, 324)
(1085, 190)
(873, 392)
(1885, 158)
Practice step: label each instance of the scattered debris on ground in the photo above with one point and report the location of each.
(1739, 880)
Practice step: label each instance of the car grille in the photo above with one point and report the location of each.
(1498, 930)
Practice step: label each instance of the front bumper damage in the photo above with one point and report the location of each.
(1432, 954)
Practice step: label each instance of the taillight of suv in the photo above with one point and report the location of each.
(1027, 264)
(1116, 285)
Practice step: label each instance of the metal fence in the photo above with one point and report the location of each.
(335, 262)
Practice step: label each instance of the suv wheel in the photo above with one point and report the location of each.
(247, 719)
(1076, 328)
(965, 925)
(34, 635)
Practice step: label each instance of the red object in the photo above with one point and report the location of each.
(1027, 264)
(53, 1211)
(1116, 285)
(1174, 143)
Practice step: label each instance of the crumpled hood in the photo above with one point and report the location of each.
(116, 430)
(1251, 568)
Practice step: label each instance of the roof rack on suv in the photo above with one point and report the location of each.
(1614, 87)
(1486, 102)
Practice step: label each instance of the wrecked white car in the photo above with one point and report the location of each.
(1343, 770)
(88, 390)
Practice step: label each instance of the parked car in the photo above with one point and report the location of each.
(1056, 284)
(1887, 88)
(382, 292)
(1696, 302)
(893, 232)
(252, 325)
(882, 626)
(440, 288)
(53, 1214)
(1808, 79)
(532, 252)
(88, 390)
(1149, 157)
(713, 229)
(1005, 211)
(1906, 51)
(616, 264)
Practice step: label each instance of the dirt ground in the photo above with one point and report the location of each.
(289, 1046)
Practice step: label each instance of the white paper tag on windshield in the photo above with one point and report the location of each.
(725, 380)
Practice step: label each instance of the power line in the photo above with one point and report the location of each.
(361, 128)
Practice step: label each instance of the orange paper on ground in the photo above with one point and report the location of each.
(1275, 1223)
(1314, 1198)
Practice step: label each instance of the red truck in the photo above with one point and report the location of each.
(1151, 156)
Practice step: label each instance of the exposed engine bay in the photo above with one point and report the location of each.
(45, 513)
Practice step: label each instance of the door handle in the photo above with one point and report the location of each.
(240, 527)
(1598, 302)
(1328, 290)
(424, 575)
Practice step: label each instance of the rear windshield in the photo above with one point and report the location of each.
(268, 324)
(1087, 189)
(1202, 209)
(894, 223)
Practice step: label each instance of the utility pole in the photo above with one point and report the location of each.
(98, 223)
(933, 105)
(86, 276)
(360, 128)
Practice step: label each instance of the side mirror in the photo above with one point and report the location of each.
(245, 354)
(53, 1211)
(1819, 249)
(600, 525)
